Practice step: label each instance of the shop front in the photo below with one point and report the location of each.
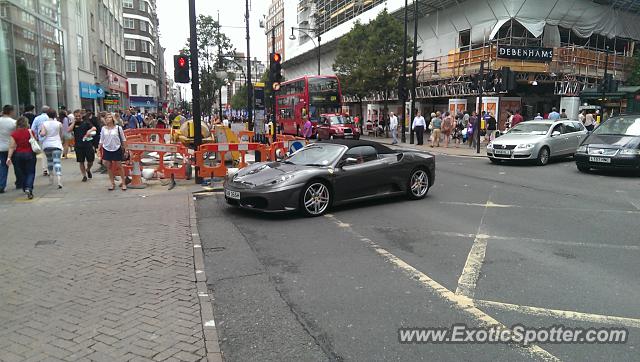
(90, 94)
(143, 103)
(116, 95)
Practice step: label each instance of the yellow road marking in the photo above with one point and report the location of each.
(460, 302)
(562, 314)
(457, 203)
(539, 241)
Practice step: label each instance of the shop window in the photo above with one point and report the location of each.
(464, 39)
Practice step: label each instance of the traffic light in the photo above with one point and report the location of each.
(181, 68)
(508, 79)
(402, 88)
(276, 68)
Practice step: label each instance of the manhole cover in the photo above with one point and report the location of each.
(45, 242)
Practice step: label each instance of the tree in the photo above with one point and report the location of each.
(239, 99)
(634, 76)
(369, 58)
(211, 43)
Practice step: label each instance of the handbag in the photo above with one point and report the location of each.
(125, 153)
(35, 147)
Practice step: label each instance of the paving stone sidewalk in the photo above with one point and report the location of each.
(90, 274)
(452, 150)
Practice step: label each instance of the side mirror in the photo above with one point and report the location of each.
(555, 133)
(349, 161)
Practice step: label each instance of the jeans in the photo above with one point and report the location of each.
(394, 134)
(53, 160)
(4, 169)
(25, 167)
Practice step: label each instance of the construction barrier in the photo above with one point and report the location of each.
(153, 135)
(220, 149)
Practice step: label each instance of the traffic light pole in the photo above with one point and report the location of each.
(403, 81)
(479, 115)
(249, 88)
(272, 92)
(414, 81)
(195, 82)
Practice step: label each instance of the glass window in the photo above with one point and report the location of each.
(569, 127)
(362, 153)
(144, 46)
(146, 89)
(127, 4)
(129, 24)
(142, 5)
(131, 66)
(134, 89)
(143, 25)
(81, 52)
(130, 44)
(620, 126)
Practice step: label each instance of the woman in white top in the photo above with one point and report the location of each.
(51, 130)
(112, 145)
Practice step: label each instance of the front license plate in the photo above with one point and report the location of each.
(232, 194)
(502, 152)
(600, 159)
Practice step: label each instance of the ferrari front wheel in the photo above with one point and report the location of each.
(315, 199)
(418, 184)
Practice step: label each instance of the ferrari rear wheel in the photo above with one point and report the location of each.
(315, 199)
(418, 184)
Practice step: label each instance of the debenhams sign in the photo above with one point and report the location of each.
(525, 53)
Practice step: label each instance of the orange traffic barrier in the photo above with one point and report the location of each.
(275, 146)
(155, 135)
(220, 149)
(182, 172)
(248, 135)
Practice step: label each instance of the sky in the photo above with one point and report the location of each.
(174, 25)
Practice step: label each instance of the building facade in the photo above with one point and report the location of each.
(142, 53)
(32, 64)
(578, 42)
(275, 28)
(238, 71)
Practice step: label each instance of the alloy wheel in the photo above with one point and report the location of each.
(419, 183)
(316, 199)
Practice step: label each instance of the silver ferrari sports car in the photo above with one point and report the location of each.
(328, 173)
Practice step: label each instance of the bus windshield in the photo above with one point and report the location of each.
(324, 97)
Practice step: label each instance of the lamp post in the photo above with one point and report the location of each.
(304, 30)
(195, 82)
(403, 81)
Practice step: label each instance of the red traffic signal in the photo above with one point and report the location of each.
(276, 57)
(182, 62)
(181, 68)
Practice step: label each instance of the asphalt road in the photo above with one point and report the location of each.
(515, 244)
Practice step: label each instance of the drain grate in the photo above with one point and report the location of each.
(45, 242)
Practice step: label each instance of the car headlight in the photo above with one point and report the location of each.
(582, 149)
(280, 179)
(526, 145)
(490, 145)
(630, 152)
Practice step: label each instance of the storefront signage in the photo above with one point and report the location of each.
(117, 82)
(142, 102)
(525, 53)
(112, 99)
(90, 91)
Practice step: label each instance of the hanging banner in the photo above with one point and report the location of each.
(525, 53)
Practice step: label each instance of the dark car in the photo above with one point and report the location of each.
(615, 143)
(332, 126)
(328, 173)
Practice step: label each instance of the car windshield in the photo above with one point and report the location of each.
(620, 126)
(530, 128)
(340, 120)
(316, 155)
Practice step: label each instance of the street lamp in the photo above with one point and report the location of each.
(304, 30)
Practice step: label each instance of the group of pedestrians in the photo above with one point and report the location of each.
(52, 134)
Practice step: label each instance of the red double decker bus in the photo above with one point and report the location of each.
(309, 95)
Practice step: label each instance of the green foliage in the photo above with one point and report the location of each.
(211, 42)
(634, 76)
(239, 99)
(369, 57)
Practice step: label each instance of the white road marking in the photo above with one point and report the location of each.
(538, 207)
(459, 302)
(539, 241)
(562, 314)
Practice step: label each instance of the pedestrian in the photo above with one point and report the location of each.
(554, 115)
(393, 126)
(589, 122)
(538, 117)
(35, 128)
(225, 121)
(113, 145)
(436, 129)
(458, 131)
(472, 128)
(447, 128)
(118, 119)
(29, 113)
(418, 126)
(563, 114)
(139, 119)
(67, 136)
(22, 157)
(492, 127)
(307, 129)
(51, 131)
(7, 126)
(84, 132)
(517, 118)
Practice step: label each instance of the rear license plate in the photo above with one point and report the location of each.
(600, 159)
(348, 136)
(502, 152)
(232, 194)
